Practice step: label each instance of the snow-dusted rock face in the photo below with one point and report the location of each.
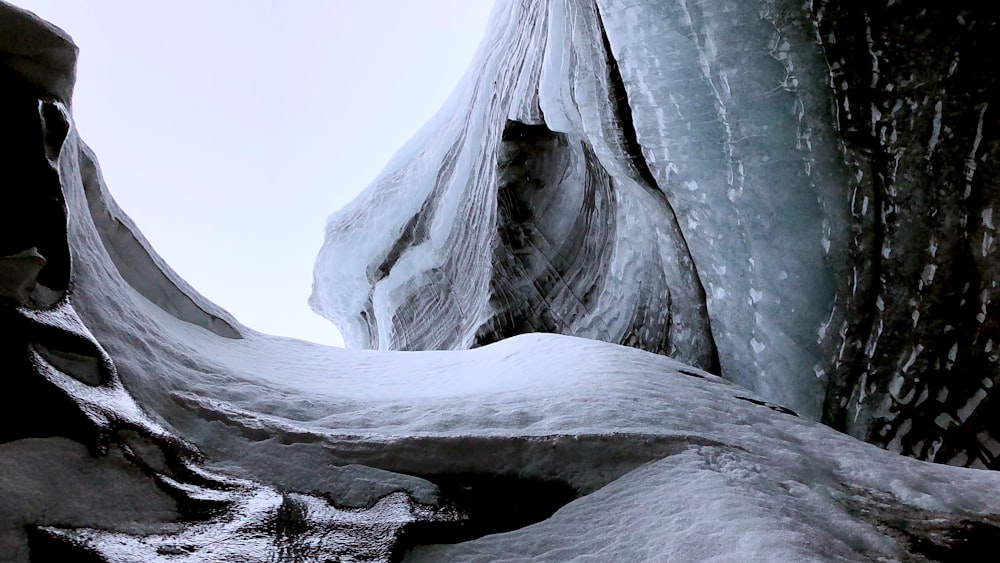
(798, 196)
(143, 423)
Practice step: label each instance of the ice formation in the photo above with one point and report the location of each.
(143, 423)
(797, 196)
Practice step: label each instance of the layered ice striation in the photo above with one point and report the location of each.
(798, 197)
(142, 422)
(526, 206)
(634, 172)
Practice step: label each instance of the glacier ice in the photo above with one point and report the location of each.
(618, 170)
(795, 196)
(614, 193)
(425, 234)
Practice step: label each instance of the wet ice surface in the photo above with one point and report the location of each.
(261, 525)
(596, 416)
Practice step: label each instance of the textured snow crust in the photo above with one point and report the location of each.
(626, 423)
(764, 482)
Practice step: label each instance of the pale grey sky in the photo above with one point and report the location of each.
(230, 129)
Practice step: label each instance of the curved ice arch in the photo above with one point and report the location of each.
(718, 188)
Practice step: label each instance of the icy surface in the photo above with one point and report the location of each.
(622, 422)
(799, 197)
(507, 222)
(602, 174)
(57, 480)
(919, 324)
(141, 422)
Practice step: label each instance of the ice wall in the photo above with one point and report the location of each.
(916, 108)
(634, 172)
(796, 196)
(522, 207)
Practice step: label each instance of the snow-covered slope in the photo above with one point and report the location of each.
(143, 423)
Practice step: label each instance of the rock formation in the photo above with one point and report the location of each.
(573, 185)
